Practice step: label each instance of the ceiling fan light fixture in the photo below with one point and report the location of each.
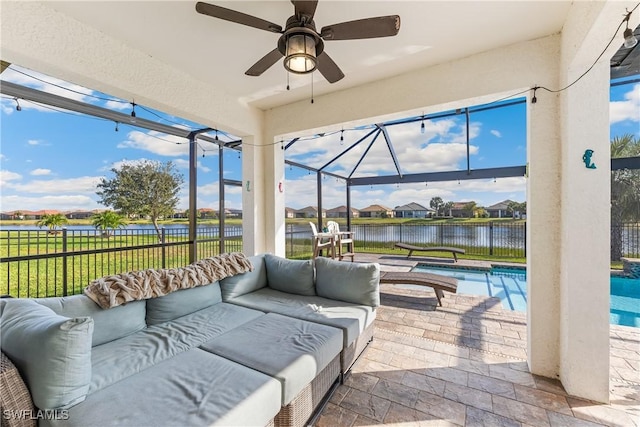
(300, 57)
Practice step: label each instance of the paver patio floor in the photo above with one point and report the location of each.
(464, 364)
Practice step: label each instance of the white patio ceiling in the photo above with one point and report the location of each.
(218, 52)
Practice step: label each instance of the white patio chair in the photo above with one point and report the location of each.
(342, 238)
(321, 241)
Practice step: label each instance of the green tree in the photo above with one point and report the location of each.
(469, 208)
(625, 191)
(148, 188)
(447, 207)
(108, 221)
(436, 204)
(52, 221)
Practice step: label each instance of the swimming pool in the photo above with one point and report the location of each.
(510, 285)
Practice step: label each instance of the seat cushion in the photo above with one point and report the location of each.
(358, 283)
(351, 318)
(182, 302)
(52, 352)
(194, 388)
(250, 281)
(291, 350)
(290, 275)
(108, 324)
(119, 359)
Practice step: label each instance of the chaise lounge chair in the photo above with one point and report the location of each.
(414, 248)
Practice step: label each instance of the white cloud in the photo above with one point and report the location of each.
(7, 176)
(496, 133)
(63, 203)
(157, 143)
(40, 172)
(629, 109)
(184, 164)
(35, 142)
(83, 185)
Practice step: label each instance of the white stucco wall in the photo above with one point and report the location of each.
(38, 37)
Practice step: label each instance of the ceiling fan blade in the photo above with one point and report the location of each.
(237, 17)
(328, 68)
(264, 63)
(381, 26)
(305, 7)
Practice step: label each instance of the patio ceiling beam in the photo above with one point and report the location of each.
(625, 163)
(489, 173)
(364, 154)
(354, 145)
(314, 170)
(30, 94)
(387, 139)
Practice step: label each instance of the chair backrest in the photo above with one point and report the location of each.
(333, 227)
(313, 228)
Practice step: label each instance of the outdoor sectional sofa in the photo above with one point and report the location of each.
(258, 348)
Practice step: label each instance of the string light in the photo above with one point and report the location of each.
(422, 129)
(133, 112)
(342, 136)
(216, 135)
(117, 130)
(18, 107)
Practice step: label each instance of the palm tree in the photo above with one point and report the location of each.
(52, 221)
(107, 220)
(625, 191)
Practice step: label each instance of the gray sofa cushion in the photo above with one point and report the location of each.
(119, 359)
(194, 388)
(292, 350)
(351, 318)
(109, 324)
(250, 281)
(51, 351)
(182, 302)
(358, 283)
(288, 275)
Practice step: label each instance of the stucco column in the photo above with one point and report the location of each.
(263, 225)
(586, 198)
(253, 230)
(274, 197)
(543, 235)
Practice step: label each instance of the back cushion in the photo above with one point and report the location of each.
(288, 275)
(244, 283)
(358, 283)
(52, 352)
(182, 302)
(109, 324)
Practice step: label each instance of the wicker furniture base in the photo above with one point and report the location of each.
(296, 413)
(16, 406)
(350, 354)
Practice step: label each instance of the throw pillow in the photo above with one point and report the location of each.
(358, 283)
(52, 352)
(288, 275)
(244, 283)
(182, 302)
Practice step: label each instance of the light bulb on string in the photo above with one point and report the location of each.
(117, 129)
(422, 128)
(18, 107)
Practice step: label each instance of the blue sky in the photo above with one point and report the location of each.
(53, 160)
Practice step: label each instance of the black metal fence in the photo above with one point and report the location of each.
(36, 263)
(39, 263)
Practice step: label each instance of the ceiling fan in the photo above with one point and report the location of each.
(301, 44)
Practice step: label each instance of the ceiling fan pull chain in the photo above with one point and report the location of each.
(287, 81)
(312, 88)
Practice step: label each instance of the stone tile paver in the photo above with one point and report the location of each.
(464, 364)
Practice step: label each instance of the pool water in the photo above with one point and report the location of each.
(510, 285)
